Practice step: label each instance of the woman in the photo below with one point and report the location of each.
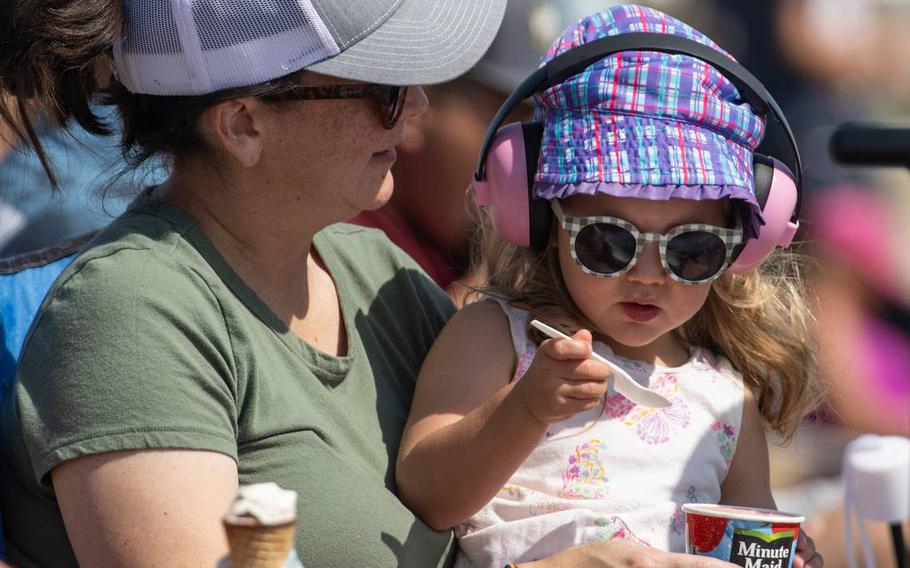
(219, 333)
(224, 331)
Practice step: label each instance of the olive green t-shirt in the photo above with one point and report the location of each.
(150, 340)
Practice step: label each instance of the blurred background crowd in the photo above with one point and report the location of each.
(826, 62)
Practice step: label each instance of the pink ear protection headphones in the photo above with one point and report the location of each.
(504, 178)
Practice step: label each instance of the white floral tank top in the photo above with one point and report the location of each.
(622, 471)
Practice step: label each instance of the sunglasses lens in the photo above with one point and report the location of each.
(605, 248)
(696, 255)
(395, 106)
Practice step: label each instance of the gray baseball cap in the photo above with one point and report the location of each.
(175, 47)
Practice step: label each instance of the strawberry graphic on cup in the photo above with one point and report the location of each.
(785, 527)
(706, 533)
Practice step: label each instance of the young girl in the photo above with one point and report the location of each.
(516, 440)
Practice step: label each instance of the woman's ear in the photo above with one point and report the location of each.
(235, 127)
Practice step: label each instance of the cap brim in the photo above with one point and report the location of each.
(423, 43)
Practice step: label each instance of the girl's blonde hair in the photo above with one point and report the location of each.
(761, 321)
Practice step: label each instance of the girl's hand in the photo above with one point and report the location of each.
(562, 380)
(806, 555)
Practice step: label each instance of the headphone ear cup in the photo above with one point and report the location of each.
(506, 190)
(776, 193)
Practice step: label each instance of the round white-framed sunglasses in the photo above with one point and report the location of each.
(607, 247)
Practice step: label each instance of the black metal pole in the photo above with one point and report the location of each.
(900, 549)
(870, 144)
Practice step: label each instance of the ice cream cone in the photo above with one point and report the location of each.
(257, 545)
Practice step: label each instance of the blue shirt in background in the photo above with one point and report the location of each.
(92, 191)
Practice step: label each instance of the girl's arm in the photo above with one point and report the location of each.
(147, 507)
(748, 482)
(469, 428)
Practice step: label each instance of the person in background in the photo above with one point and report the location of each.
(427, 216)
(91, 184)
(11, 219)
(863, 316)
(863, 321)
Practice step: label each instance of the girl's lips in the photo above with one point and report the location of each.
(639, 312)
(390, 155)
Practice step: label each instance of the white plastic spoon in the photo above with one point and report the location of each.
(622, 382)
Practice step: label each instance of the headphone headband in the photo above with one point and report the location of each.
(577, 60)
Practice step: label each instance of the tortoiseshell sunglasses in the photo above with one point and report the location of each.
(391, 98)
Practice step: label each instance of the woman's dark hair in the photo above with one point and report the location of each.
(49, 54)
(52, 55)
(156, 125)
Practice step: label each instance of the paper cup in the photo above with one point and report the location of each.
(752, 538)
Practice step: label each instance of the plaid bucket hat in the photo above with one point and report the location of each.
(646, 124)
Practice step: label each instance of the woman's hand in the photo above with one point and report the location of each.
(623, 554)
(562, 380)
(806, 555)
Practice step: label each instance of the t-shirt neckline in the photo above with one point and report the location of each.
(327, 367)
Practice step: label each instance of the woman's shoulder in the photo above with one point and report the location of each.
(375, 271)
(364, 248)
(141, 233)
(124, 275)
(360, 243)
(371, 254)
(129, 260)
(348, 233)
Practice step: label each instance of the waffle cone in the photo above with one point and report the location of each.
(254, 545)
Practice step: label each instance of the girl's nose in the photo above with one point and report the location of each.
(648, 269)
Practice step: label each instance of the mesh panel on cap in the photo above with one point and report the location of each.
(194, 47)
(232, 22)
(144, 15)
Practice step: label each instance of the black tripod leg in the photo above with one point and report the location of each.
(900, 549)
